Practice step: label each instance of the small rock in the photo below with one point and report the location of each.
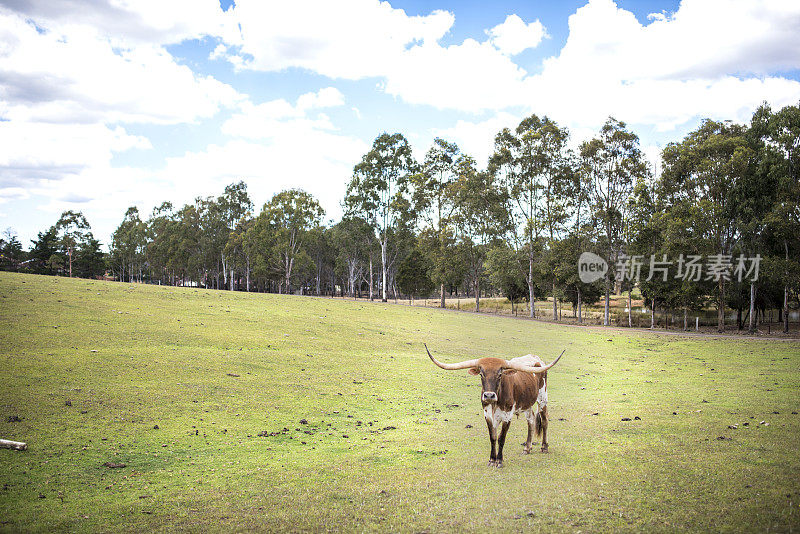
(626, 418)
(233, 375)
(674, 413)
(733, 427)
(68, 403)
(155, 427)
(468, 426)
(113, 465)
(14, 419)
(303, 421)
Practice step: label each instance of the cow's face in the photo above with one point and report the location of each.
(491, 372)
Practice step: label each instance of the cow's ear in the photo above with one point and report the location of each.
(509, 371)
(474, 371)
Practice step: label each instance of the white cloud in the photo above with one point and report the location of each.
(691, 64)
(351, 40)
(7, 194)
(36, 151)
(126, 22)
(477, 138)
(279, 118)
(471, 77)
(74, 74)
(514, 35)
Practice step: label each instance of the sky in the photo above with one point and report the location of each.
(106, 104)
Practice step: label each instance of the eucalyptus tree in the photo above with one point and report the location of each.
(530, 163)
(72, 228)
(704, 169)
(413, 274)
(377, 189)
(290, 217)
(234, 205)
(781, 136)
(159, 233)
(480, 217)
(239, 250)
(433, 202)
(352, 239)
(128, 245)
(611, 162)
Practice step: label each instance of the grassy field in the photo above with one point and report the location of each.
(360, 432)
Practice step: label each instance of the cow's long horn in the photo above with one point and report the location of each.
(452, 366)
(531, 369)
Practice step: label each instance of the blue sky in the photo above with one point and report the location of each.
(105, 106)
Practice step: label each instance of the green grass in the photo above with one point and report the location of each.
(164, 357)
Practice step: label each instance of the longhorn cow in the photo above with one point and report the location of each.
(509, 387)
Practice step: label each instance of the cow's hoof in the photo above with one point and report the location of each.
(492, 463)
(499, 464)
(544, 450)
(526, 450)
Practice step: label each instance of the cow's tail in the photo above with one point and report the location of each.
(540, 422)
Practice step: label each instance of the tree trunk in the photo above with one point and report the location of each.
(477, 294)
(721, 306)
(555, 303)
(786, 293)
(69, 250)
(370, 278)
(685, 319)
(441, 289)
(530, 283)
(580, 314)
(605, 309)
(630, 320)
(653, 315)
(752, 327)
(248, 275)
(384, 269)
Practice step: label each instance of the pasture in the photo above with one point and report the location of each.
(255, 412)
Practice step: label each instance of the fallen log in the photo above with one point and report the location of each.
(18, 445)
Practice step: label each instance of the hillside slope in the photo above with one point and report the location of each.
(360, 430)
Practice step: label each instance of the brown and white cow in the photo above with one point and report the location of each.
(509, 387)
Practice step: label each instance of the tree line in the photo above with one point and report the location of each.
(727, 200)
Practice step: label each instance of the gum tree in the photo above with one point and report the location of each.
(376, 191)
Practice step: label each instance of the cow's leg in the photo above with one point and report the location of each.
(493, 441)
(529, 416)
(541, 423)
(501, 441)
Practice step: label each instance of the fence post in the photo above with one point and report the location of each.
(696, 323)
